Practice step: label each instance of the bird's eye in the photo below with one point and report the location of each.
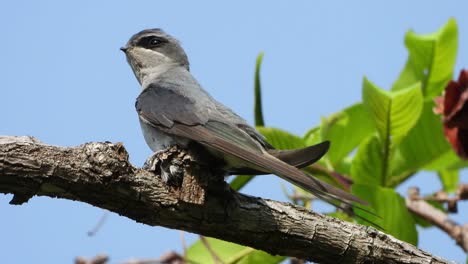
(150, 42)
(154, 42)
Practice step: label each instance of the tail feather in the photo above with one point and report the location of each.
(265, 162)
(303, 157)
(298, 158)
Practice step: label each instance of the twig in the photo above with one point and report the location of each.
(423, 209)
(167, 258)
(99, 224)
(451, 200)
(183, 243)
(99, 259)
(239, 255)
(214, 255)
(296, 261)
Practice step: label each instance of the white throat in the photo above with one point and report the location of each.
(148, 75)
(148, 64)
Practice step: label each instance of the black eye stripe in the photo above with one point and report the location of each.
(151, 41)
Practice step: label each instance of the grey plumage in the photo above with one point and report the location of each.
(174, 109)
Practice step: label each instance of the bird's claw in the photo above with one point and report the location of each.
(152, 161)
(169, 172)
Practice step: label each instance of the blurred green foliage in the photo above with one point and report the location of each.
(379, 143)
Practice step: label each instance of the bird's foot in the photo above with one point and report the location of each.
(152, 161)
(171, 173)
(162, 163)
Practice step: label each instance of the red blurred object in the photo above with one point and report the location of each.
(453, 106)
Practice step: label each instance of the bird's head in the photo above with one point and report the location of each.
(152, 48)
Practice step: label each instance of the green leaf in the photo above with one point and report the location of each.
(240, 181)
(394, 114)
(448, 160)
(313, 136)
(258, 256)
(344, 167)
(345, 130)
(425, 147)
(198, 252)
(442, 160)
(229, 253)
(423, 144)
(367, 164)
(431, 59)
(281, 139)
(391, 208)
(449, 179)
(258, 93)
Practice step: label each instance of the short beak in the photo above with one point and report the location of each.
(124, 49)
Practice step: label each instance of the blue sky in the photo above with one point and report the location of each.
(65, 81)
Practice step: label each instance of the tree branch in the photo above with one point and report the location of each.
(451, 201)
(420, 207)
(100, 174)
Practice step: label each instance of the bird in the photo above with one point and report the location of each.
(174, 109)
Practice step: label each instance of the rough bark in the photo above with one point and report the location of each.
(100, 174)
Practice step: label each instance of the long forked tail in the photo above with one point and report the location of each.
(298, 158)
(266, 162)
(303, 157)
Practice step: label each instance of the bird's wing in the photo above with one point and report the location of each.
(178, 115)
(252, 132)
(164, 107)
(160, 106)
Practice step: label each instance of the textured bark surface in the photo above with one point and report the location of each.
(100, 174)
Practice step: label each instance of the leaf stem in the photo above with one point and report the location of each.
(386, 147)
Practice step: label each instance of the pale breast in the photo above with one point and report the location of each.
(158, 140)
